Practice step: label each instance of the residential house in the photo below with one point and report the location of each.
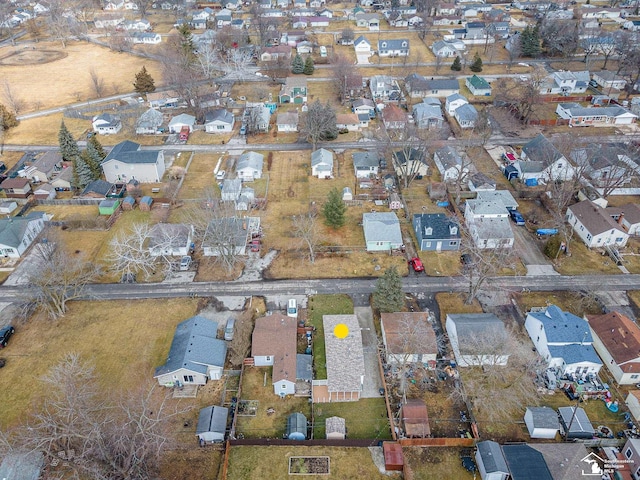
(478, 86)
(127, 162)
(393, 48)
(106, 124)
(580, 116)
(348, 121)
(149, 122)
(454, 101)
(631, 452)
(212, 424)
(436, 232)
(595, 225)
(44, 168)
(633, 403)
(344, 359)
(576, 423)
(542, 422)
(448, 48)
(170, 239)
(270, 54)
(416, 85)
(564, 341)
(476, 339)
(273, 343)
(366, 164)
(362, 46)
(394, 117)
(466, 115)
(490, 461)
(223, 18)
(563, 459)
(627, 215)
(428, 114)
(525, 462)
(249, 166)
(335, 428)
(632, 25)
(260, 117)
(141, 25)
(219, 121)
(565, 83)
(616, 338)
(479, 182)
(304, 48)
(177, 123)
(368, 20)
(294, 90)
(487, 218)
(18, 233)
(450, 163)
(287, 122)
(108, 20)
(8, 206)
(605, 165)
(97, 189)
(396, 19)
(146, 38)
(166, 99)
(381, 231)
(414, 419)
(442, 87)
(196, 354)
(408, 337)
(609, 80)
(384, 87)
(364, 106)
(229, 236)
(410, 162)
(322, 163)
(16, 187)
(555, 165)
(230, 189)
(500, 29)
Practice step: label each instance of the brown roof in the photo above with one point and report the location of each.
(595, 219)
(398, 325)
(631, 212)
(275, 336)
(393, 113)
(347, 119)
(620, 336)
(17, 182)
(415, 418)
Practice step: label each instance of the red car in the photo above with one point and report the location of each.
(416, 264)
(255, 245)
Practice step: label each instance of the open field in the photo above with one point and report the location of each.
(258, 463)
(190, 463)
(100, 333)
(10, 158)
(366, 418)
(44, 130)
(434, 463)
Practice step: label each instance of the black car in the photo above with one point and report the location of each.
(5, 334)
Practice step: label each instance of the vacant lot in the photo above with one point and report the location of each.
(434, 463)
(200, 176)
(366, 418)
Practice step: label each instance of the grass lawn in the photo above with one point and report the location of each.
(366, 418)
(10, 158)
(190, 463)
(100, 332)
(568, 301)
(258, 463)
(454, 303)
(318, 306)
(200, 175)
(441, 264)
(584, 261)
(256, 385)
(44, 130)
(434, 463)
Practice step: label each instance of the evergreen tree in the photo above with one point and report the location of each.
(456, 66)
(530, 42)
(334, 210)
(388, 296)
(144, 82)
(94, 166)
(476, 66)
(7, 118)
(297, 66)
(309, 67)
(68, 146)
(95, 149)
(81, 173)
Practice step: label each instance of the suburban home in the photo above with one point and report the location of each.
(628, 216)
(542, 422)
(416, 85)
(450, 163)
(362, 46)
(140, 25)
(631, 452)
(344, 359)
(563, 459)
(335, 428)
(393, 48)
(260, 116)
(146, 38)
(410, 162)
(229, 236)
(304, 48)
(249, 166)
(149, 122)
(127, 162)
(479, 182)
(270, 54)
(595, 225)
(230, 189)
(106, 124)
(381, 231)
(576, 423)
(436, 232)
(565, 83)
(414, 419)
(632, 25)
(524, 462)
(555, 165)
(609, 80)
(219, 121)
(368, 20)
(18, 233)
(170, 239)
(394, 117)
(17, 187)
(44, 168)
(108, 20)
(273, 343)
(580, 116)
(453, 102)
(448, 48)
(428, 114)
(287, 122)
(478, 86)
(166, 99)
(212, 424)
(322, 163)
(616, 338)
(466, 115)
(477, 339)
(364, 106)
(408, 337)
(177, 123)
(564, 341)
(196, 354)
(605, 164)
(365, 164)
(490, 461)
(294, 90)
(384, 87)
(347, 121)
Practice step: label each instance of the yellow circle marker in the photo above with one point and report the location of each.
(341, 330)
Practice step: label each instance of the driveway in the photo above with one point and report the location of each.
(529, 252)
(372, 381)
(363, 59)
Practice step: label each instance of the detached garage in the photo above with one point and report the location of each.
(212, 424)
(542, 422)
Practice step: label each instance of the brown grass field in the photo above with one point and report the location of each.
(434, 463)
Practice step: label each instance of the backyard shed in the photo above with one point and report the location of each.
(393, 457)
(145, 203)
(109, 206)
(296, 427)
(395, 203)
(415, 419)
(542, 422)
(575, 422)
(8, 206)
(491, 462)
(128, 203)
(347, 194)
(336, 428)
(212, 424)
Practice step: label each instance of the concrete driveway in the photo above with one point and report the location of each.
(529, 252)
(372, 381)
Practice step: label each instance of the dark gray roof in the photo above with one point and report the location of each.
(100, 187)
(394, 44)
(492, 457)
(129, 152)
(195, 347)
(304, 369)
(12, 229)
(416, 82)
(525, 463)
(466, 112)
(212, 419)
(580, 425)
(470, 325)
(220, 115)
(443, 84)
(440, 224)
(449, 157)
(366, 159)
(542, 150)
(544, 417)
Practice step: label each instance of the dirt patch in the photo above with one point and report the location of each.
(32, 57)
(309, 466)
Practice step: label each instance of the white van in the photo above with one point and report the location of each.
(228, 330)
(292, 308)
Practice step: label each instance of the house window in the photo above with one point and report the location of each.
(427, 244)
(628, 453)
(268, 358)
(453, 243)
(188, 378)
(283, 386)
(581, 228)
(619, 239)
(220, 127)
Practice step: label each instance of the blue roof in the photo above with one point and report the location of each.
(563, 327)
(575, 353)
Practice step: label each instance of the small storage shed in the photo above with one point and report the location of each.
(128, 203)
(542, 422)
(336, 428)
(296, 427)
(212, 424)
(8, 206)
(395, 203)
(109, 206)
(347, 194)
(575, 422)
(145, 203)
(393, 457)
(415, 419)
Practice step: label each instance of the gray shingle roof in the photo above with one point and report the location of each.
(220, 115)
(594, 218)
(382, 227)
(544, 417)
(525, 463)
(152, 118)
(345, 358)
(304, 367)
(449, 157)
(12, 229)
(542, 150)
(322, 157)
(443, 84)
(251, 160)
(492, 457)
(440, 224)
(466, 113)
(212, 419)
(393, 44)
(101, 187)
(366, 159)
(129, 152)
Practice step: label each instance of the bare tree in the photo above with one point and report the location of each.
(261, 24)
(410, 158)
(305, 228)
(209, 58)
(320, 123)
(514, 51)
(33, 29)
(253, 120)
(341, 71)
(278, 68)
(522, 97)
(224, 236)
(97, 82)
(482, 129)
(58, 22)
(14, 102)
(143, 6)
(239, 61)
(559, 37)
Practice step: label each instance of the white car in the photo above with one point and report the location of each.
(220, 175)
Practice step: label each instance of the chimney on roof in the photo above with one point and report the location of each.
(620, 218)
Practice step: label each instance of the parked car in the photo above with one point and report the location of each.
(243, 130)
(416, 264)
(517, 217)
(5, 334)
(220, 175)
(185, 263)
(229, 328)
